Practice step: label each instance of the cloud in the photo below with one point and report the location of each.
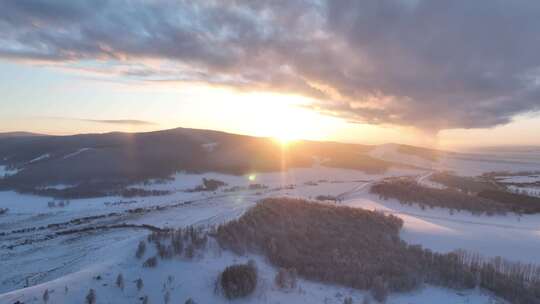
(430, 64)
(132, 122)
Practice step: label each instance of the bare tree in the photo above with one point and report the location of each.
(379, 290)
(120, 281)
(141, 248)
(167, 297)
(91, 297)
(45, 296)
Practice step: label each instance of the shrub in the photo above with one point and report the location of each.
(141, 248)
(379, 291)
(139, 283)
(238, 280)
(150, 262)
(286, 278)
(120, 281)
(190, 251)
(208, 184)
(91, 297)
(366, 300)
(348, 300)
(45, 296)
(167, 297)
(190, 301)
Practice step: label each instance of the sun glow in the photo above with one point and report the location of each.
(285, 139)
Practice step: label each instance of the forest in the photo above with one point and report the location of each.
(362, 249)
(408, 191)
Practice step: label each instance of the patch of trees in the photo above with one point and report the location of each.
(362, 249)
(86, 190)
(408, 191)
(250, 187)
(518, 203)
(238, 281)
(208, 184)
(496, 174)
(326, 198)
(183, 242)
(118, 203)
(58, 204)
(465, 184)
(138, 192)
(286, 278)
(92, 190)
(428, 154)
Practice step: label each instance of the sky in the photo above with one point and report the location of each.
(447, 74)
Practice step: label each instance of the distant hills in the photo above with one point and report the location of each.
(103, 162)
(18, 134)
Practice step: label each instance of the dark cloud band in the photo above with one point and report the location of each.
(132, 122)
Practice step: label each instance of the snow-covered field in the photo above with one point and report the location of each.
(469, 164)
(34, 258)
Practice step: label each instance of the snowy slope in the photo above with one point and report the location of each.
(54, 262)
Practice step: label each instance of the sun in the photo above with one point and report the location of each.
(285, 138)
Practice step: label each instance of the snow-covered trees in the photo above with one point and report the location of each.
(362, 249)
(408, 191)
(183, 242)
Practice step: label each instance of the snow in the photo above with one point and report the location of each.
(210, 147)
(510, 236)
(41, 157)
(73, 260)
(390, 152)
(531, 191)
(5, 172)
(77, 152)
(195, 279)
(57, 187)
(425, 180)
(466, 164)
(519, 179)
